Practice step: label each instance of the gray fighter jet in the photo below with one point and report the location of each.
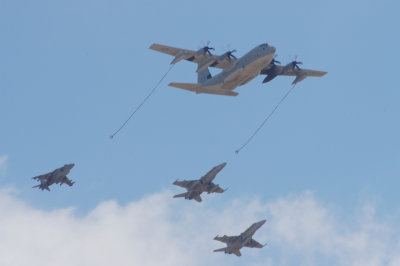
(196, 187)
(235, 243)
(58, 176)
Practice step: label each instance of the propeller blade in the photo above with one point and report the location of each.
(230, 54)
(275, 61)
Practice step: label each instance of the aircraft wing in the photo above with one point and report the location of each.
(65, 180)
(226, 239)
(184, 183)
(198, 88)
(253, 244)
(42, 177)
(171, 50)
(214, 188)
(310, 72)
(237, 253)
(191, 56)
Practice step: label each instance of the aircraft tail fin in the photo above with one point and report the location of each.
(198, 88)
(203, 76)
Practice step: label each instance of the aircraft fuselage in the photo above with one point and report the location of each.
(246, 68)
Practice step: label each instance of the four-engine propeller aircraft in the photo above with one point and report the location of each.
(58, 176)
(235, 71)
(235, 243)
(196, 187)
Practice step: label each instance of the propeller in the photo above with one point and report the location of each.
(274, 62)
(230, 55)
(206, 49)
(295, 63)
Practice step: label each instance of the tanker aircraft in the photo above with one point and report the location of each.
(235, 71)
(196, 187)
(58, 176)
(235, 243)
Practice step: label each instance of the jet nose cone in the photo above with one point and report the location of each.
(70, 166)
(260, 223)
(220, 167)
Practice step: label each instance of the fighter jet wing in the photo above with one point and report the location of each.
(237, 253)
(226, 239)
(65, 180)
(214, 188)
(253, 244)
(184, 183)
(42, 177)
(190, 55)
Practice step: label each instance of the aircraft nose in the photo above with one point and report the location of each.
(260, 223)
(273, 49)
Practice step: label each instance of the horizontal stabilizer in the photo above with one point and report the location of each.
(198, 88)
(197, 198)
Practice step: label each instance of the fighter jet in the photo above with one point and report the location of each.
(235, 243)
(196, 187)
(58, 176)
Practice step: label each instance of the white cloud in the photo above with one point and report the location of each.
(3, 166)
(310, 230)
(159, 230)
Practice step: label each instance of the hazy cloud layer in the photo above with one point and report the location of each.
(159, 230)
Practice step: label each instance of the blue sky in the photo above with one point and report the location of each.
(72, 71)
